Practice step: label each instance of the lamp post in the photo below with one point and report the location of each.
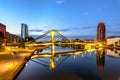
(13, 53)
(13, 57)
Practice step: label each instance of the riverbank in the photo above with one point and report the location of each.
(11, 64)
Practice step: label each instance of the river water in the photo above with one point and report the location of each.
(68, 64)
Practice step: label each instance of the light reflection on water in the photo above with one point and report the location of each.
(79, 65)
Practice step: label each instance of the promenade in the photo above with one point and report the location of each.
(11, 63)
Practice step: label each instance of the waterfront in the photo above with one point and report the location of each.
(88, 65)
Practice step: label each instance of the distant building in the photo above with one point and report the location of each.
(3, 29)
(101, 33)
(113, 40)
(24, 31)
(8, 37)
(89, 41)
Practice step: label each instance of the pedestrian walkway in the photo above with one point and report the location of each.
(11, 62)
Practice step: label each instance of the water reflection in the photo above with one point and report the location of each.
(54, 61)
(57, 58)
(72, 65)
(115, 53)
(100, 58)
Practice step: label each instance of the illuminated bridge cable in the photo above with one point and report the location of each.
(40, 63)
(49, 32)
(61, 36)
(62, 60)
(42, 60)
(42, 35)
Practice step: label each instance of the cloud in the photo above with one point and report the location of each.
(88, 27)
(76, 29)
(35, 30)
(66, 30)
(63, 30)
(113, 32)
(87, 36)
(60, 1)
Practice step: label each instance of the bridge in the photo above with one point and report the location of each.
(53, 34)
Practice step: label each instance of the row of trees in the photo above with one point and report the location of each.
(27, 39)
(116, 44)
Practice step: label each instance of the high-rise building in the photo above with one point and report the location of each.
(101, 33)
(24, 31)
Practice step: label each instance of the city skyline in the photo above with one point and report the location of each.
(71, 18)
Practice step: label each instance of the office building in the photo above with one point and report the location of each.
(24, 31)
(101, 33)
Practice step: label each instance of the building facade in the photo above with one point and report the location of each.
(3, 29)
(101, 33)
(24, 31)
(8, 37)
(112, 40)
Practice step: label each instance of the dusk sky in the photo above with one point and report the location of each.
(70, 17)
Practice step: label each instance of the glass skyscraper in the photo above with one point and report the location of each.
(24, 31)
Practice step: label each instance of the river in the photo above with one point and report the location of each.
(68, 64)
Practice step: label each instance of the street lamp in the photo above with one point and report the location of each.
(13, 53)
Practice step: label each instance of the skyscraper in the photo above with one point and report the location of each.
(24, 31)
(101, 33)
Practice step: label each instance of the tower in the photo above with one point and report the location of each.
(101, 33)
(24, 31)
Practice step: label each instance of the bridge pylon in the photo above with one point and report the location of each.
(53, 33)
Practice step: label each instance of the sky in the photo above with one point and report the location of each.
(78, 18)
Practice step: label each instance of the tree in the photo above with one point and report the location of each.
(116, 43)
(27, 39)
(119, 42)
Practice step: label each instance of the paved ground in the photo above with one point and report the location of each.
(10, 62)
